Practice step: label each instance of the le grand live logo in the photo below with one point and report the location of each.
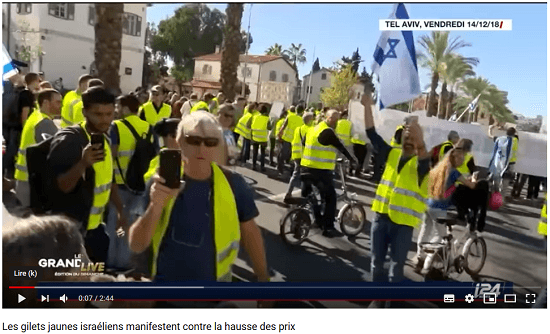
(65, 265)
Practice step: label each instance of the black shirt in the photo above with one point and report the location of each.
(26, 100)
(328, 137)
(384, 149)
(66, 151)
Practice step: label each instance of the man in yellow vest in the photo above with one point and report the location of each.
(84, 172)
(155, 109)
(75, 114)
(361, 151)
(318, 163)
(274, 143)
(194, 232)
(286, 134)
(123, 145)
(401, 196)
(259, 134)
(203, 104)
(343, 131)
(452, 138)
(396, 139)
(215, 103)
(244, 130)
(38, 127)
(297, 148)
(70, 97)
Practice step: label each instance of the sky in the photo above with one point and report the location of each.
(515, 61)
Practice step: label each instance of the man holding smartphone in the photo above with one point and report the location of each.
(400, 200)
(84, 171)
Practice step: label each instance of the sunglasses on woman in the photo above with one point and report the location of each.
(196, 141)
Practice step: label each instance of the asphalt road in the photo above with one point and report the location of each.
(515, 250)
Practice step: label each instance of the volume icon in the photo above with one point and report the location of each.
(63, 298)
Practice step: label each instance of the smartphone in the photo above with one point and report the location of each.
(97, 138)
(170, 167)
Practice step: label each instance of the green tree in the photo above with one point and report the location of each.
(437, 48)
(339, 93)
(295, 54)
(230, 51)
(274, 50)
(354, 60)
(181, 75)
(457, 70)
(366, 79)
(108, 43)
(193, 30)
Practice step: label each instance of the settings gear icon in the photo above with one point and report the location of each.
(469, 298)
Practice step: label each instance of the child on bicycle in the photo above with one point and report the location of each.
(441, 185)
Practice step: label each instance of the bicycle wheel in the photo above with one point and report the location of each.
(295, 226)
(352, 218)
(475, 254)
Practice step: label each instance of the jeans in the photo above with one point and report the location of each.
(120, 255)
(245, 152)
(272, 142)
(13, 138)
(284, 156)
(295, 179)
(323, 180)
(386, 233)
(360, 152)
(262, 147)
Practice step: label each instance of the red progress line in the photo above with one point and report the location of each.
(21, 287)
(501, 24)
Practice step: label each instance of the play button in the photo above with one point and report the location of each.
(20, 298)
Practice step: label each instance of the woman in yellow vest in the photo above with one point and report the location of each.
(194, 232)
(259, 134)
(400, 200)
(155, 109)
(441, 186)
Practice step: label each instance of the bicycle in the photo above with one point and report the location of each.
(296, 224)
(444, 258)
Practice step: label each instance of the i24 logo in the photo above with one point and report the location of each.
(482, 288)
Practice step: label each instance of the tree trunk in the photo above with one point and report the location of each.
(230, 50)
(431, 101)
(449, 110)
(491, 119)
(108, 43)
(442, 99)
(476, 113)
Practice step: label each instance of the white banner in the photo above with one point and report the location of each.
(531, 158)
(276, 109)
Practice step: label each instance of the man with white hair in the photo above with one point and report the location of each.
(178, 225)
(318, 163)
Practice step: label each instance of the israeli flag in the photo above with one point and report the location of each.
(9, 68)
(473, 104)
(395, 64)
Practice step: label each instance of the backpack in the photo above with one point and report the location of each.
(144, 152)
(42, 181)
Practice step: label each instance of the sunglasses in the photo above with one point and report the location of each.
(196, 141)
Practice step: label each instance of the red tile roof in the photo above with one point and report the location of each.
(242, 58)
(204, 84)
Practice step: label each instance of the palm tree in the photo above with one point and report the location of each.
(437, 49)
(296, 55)
(457, 69)
(491, 99)
(275, 50)
(230, 49)
(108, 43)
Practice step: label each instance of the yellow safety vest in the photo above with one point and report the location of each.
(355, 140)
(343, 131)
(66, 119)
(151, 115)
(201, 105)
(316, 155)
(294, 121)
(242, 127)
(393, 142)
(299, 136)
(463, 169)
(227, 233)
(75, 112)
(216, 107)
(102, 186)
(399, 194)
(542, 222)
(443, 146)
(514, 157)
(27, 139)
(127, 143)
(259, 128)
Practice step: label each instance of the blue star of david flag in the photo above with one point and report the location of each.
(8, 67)
(395, 64)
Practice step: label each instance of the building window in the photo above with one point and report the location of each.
(62, 11)
(248, 72)
(24, 8)
(91, 15)
(285, 77)
(272, 76)
(131, 24)
(324, 76)
(207, 69)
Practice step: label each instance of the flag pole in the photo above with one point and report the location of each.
(310, 75)
(243, 90)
